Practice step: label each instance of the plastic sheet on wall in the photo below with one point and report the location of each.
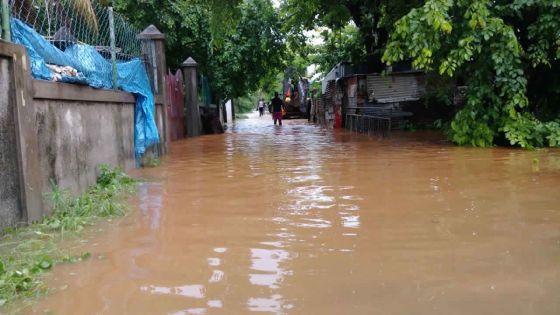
(132, 78)
(96, 71)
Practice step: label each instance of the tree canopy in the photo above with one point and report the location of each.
(252, 53)
(237, 43)
(342, 45)
(499, 49)
(372, 19)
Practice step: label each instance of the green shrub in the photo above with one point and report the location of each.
(27, 252)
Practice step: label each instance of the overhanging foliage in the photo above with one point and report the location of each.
(493, 46)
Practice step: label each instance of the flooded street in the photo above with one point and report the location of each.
(302, 220)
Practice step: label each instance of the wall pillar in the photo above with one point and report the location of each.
(190, 78)
(16, 104)
(153, 50)
(232, 110)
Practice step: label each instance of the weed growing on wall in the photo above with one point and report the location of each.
(25, 253)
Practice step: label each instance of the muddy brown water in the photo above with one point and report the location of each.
(302, 220)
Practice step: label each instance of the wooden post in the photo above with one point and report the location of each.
(190, 77)
(153, 49)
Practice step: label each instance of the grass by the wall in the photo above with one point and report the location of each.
(27, 252)
(152, 161)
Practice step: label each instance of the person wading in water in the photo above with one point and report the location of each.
(260, 107)
(277, 106)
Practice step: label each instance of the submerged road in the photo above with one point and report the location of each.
(302, 220)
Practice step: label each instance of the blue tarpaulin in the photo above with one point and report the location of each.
(95, 71)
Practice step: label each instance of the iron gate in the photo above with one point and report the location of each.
(176, 107)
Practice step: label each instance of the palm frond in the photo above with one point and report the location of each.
(85, 9)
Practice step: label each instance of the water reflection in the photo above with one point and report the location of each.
(213, 261)
(150, 202)
(215, 304)
(217, 276)
(191, 311)
(220, 249)
(273, 304)
(267, 262)
(350, 221)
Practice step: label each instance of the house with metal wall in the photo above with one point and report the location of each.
(349, 97)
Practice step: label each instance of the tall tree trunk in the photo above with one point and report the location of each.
(373, 38)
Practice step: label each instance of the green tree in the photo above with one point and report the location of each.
(494, 47)
(237, 59)
(252, 53)
(373, 20)
(186, 26)
(337, 46)
(222, 13)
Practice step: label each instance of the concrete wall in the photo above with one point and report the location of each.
(75, 136)
(229, 111)
(58, 132)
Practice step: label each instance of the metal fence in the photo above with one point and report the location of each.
(63, 22)
(367, 123)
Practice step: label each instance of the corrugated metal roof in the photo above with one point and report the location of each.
(340, 70)
(399, 87)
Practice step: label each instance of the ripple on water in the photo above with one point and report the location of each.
(195, 291)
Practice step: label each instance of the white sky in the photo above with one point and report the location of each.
(314, 37)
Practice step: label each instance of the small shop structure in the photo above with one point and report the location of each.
(366, 102)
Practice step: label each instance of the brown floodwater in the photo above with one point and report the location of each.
(302, 220)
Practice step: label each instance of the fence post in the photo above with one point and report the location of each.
(113, 46)
(153, 50)
(190, 78)
(5, 25)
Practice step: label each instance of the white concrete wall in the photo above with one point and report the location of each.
(229, 112)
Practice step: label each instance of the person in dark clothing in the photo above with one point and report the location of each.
(308, 112)
(277, 106)
(260, 107)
